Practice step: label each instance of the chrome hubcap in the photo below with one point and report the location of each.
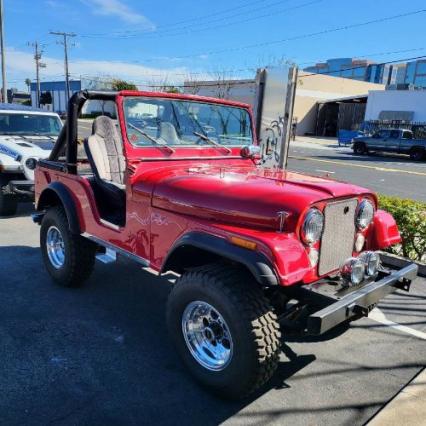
(55, 247)
(207, 336)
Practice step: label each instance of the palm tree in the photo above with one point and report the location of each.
(28, 83)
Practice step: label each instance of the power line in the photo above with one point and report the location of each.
(249, 82)
(253, 18)
(197, 19)
(189, 29)
(307, 35)
(256, 66)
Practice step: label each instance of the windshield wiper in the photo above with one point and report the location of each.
(143, 133)
(211, 141)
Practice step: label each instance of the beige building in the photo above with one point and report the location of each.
(312, 90)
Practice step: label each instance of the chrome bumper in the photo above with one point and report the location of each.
(357, 303)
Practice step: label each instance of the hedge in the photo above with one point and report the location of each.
(411, 219)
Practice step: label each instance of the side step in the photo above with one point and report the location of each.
(110, 256)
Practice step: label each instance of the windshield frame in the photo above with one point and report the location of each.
(187, 151)
(29, 133)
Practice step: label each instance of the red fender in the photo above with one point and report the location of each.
(386, 231)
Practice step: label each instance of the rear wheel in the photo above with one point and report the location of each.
(224, 329)
(417, 154)
(8, 202)
(69, 258)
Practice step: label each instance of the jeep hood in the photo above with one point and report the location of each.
(15, 150)
(246, 196)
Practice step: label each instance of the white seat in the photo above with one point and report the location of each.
(106, 149)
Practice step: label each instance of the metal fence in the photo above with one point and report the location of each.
(418, 128)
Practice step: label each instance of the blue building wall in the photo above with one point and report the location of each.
(57, 90)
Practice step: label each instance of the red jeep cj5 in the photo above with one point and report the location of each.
(175, 185)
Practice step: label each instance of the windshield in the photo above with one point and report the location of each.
(29, 124)
(154, 121)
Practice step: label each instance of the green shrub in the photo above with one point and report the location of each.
(411, 219)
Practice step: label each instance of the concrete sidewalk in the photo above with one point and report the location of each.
(407, 408)
(317, 140)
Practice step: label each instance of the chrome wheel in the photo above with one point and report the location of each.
(207, 336)
(55, 247)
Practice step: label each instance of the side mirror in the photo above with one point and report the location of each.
(250, 151)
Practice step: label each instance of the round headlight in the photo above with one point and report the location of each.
(31, 163)
(371, 262)
(353, 271)
(312, 226)
(365, 214)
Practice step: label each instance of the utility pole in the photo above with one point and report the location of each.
(65, 44)
(3, 59)
(37, 58)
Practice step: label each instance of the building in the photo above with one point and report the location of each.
(327, 104)
(53, 94)
(355, 69)
(396, 106)
(415, 73)
(398, 76)
(57, 94)
(314, 92)
(243, 90)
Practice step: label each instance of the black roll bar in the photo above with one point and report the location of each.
(68, 136)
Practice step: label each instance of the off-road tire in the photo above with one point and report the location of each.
(252, 322)
(8, 202)
(360, 148)
(417, 154)
(79, 252)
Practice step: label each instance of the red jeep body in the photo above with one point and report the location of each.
(244, 240)
(202, 189)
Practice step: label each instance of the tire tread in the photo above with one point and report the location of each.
(255, 310)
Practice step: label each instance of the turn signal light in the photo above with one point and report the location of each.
(241, 242)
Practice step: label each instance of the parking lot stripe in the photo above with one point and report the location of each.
(364, 166)
(378, 316)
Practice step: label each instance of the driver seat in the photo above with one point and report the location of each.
(104, 151)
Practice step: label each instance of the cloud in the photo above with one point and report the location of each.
(118, 9)
(20, 65)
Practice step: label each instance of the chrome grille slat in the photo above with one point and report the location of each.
(337, 240)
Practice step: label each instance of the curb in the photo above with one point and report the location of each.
(407, 407)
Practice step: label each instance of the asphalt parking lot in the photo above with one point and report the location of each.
(101, 354)
(385, 173)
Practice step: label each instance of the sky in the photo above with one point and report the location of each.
(151, 42)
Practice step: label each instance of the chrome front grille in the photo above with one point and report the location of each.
(338, 236)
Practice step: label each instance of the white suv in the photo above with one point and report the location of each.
(26, 135)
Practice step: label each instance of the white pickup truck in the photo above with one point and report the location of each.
(26, 135)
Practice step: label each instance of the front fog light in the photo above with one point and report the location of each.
(371, 262)
(353, 271)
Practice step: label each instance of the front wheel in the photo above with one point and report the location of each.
(8, 202)
(69, 258)
(360, 148)
(224, 329)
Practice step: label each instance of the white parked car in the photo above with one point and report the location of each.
(26, 135)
